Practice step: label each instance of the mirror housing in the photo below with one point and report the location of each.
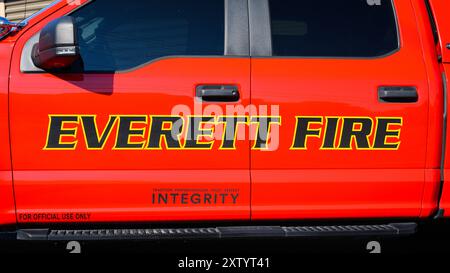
(58, 46)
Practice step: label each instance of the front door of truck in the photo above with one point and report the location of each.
(348, 80)
(130, 137)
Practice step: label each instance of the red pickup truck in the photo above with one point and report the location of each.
(224, 118)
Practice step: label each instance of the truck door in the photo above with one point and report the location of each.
(348, 80)
(107, 142)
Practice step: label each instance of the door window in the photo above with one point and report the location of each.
(350, 28)
(117, 39)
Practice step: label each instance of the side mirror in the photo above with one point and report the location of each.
(58, 46)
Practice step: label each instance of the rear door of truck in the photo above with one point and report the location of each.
(349, 82)
(142, 64)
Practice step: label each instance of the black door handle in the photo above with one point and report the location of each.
(398, 94)
(218, 93)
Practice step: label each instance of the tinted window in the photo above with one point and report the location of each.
(330, 28)
(117, 35)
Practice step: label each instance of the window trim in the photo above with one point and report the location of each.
(236, 41)
(260, 26)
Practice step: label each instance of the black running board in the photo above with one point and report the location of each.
(218, 233)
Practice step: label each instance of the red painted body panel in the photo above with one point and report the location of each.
(117, 186)
(129, 96)
(328, 193)
(123, 196)
(120, 94)
(7, 210)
